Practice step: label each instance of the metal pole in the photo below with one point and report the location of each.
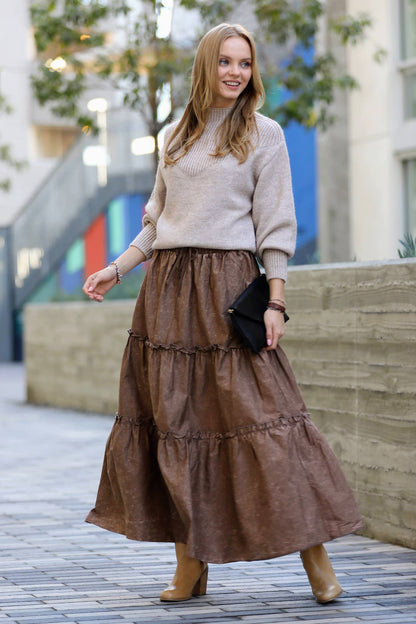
(6, 297)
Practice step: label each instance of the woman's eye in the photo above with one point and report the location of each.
(244, 64)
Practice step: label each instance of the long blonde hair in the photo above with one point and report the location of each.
(236, 132)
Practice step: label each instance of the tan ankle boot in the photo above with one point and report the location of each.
(190, 578)
(324, 583)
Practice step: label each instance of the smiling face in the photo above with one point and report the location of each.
(234, 71)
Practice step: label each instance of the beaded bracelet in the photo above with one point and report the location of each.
(118, 274)
(275, 306)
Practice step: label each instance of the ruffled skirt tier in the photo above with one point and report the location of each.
(212, 444)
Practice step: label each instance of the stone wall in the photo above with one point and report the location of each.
(352, 344)
(351, 340)
(73, 353)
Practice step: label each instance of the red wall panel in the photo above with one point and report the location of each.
(95, 246)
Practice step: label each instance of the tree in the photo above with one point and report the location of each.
(308, 78)
(147, 61)
(6, 155)
(141, 67)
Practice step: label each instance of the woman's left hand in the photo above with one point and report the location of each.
(275, 328)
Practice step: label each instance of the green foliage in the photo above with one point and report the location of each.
(312, 84)
(75, 34)
(351, 30)
(6, 155)
(146, 63)
(283, 19)
(62, 91)
(69, 30)
(66, 22)
(380, 55)
(144, 67)
(409, 247)
(212, 12)
(5, 106)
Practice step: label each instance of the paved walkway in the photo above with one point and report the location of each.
(54, 568)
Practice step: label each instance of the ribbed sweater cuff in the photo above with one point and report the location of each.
(145, 239)
(275, 263)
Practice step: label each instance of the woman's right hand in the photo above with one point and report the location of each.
(99, 283)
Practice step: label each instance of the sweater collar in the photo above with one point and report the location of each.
(217, 115)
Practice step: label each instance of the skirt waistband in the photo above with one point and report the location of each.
(191, 251)
(180, 258)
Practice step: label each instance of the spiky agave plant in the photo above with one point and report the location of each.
(409, 247)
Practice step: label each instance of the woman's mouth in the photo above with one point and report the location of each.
(231, 84)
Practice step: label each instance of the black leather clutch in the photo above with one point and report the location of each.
(247, 313)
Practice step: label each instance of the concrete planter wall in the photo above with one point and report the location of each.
(351, 341)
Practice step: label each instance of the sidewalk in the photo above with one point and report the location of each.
(55, 568)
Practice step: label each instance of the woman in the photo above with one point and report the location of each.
(212, 447)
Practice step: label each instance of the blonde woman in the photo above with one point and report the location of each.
(213, 448)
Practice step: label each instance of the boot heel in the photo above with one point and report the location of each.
(324, 583)
(200, 587)
(184, 585)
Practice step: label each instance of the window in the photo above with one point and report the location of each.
(53, 142)
(410, 195)
(408, 55)
(409, 95)
(408, 27)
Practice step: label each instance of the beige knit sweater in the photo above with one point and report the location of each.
(217, 203)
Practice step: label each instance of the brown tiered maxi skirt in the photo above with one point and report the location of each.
(213, 445)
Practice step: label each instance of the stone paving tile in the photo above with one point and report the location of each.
(56, 569)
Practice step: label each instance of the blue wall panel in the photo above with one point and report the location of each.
(301, 144)
(302, 152)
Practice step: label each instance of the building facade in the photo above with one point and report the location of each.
(367, 160)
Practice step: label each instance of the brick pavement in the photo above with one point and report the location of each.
(54, 568)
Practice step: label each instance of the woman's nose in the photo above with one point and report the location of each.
(234, 70)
